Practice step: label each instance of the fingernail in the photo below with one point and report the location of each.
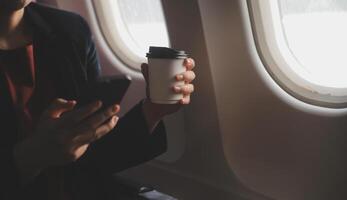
(73, 102)
(62, 100)
(189, 61)
(114, 119)
(177, 89)
(180, 77)
(115, 108)
(98, 104)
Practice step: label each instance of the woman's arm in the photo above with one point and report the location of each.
(128, 145)
(131, 142)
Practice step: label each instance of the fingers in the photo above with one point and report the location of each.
(144, 70)
(76, 116)
(58, 107)
(185, 89)
(98, 119)
(189, 63)
(92, 123)
(187, 76)
(100, 132)
(185, 100)
(107, 127)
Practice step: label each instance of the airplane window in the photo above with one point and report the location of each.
(316, 33)
(307, 43)
(130, 27)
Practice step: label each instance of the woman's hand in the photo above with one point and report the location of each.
(155, 112)
(63, 135)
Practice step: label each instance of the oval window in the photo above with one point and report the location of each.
(130, 27)
(303, 45)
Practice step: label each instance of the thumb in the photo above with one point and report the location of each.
(58, 107)
(144, 70)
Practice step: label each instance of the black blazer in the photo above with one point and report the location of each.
(63, 43)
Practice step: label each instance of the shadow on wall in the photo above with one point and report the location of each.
(332, 176)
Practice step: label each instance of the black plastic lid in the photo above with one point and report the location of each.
(164, 52)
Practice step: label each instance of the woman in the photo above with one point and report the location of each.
(49, 148)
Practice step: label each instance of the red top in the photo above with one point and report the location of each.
(29, 100)
(18, 67)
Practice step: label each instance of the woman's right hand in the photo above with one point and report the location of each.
(63, 135)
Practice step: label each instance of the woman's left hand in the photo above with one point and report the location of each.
(155, 112)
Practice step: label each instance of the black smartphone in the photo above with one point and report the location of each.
(110, 90)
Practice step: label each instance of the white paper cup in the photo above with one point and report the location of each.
(162, 72)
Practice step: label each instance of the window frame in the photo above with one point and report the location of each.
(277, 58)
(113, 38)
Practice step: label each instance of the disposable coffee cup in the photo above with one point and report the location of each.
(164, 64)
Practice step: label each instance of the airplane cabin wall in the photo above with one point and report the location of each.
(275, 144)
